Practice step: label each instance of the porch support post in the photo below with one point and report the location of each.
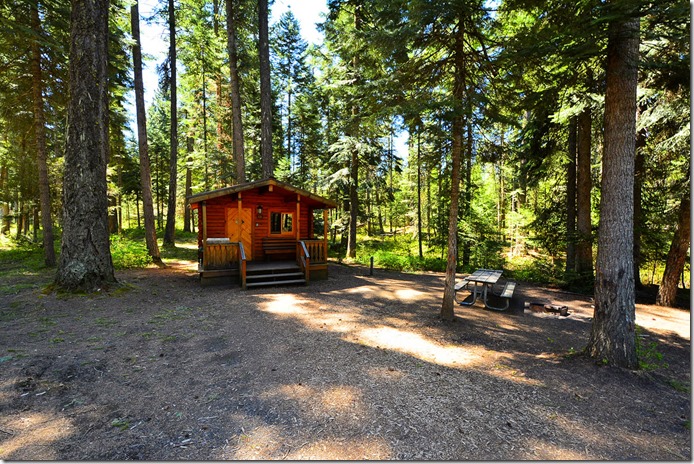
(238, 217)
(204, 234)
(325, 235)
(298, 217)
(204, 222)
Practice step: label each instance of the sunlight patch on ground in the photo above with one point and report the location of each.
(389, 290)
(309, 313)
(663, 319)
(262, 442)
(32, 435)
(286, 304)
(418, 346)
(344, 449)
(338, 400)
(546, 451)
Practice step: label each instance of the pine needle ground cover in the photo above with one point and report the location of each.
(355, 367)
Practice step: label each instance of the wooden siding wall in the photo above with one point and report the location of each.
(271, 201)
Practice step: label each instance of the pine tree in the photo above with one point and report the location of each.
(85, 257)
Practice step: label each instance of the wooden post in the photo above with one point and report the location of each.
(204, 235)
(298, 212)
(204, 222)
(325, 235)
(238, 217)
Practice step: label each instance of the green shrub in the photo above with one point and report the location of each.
(128, 253)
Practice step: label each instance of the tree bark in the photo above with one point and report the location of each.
(447, 311)
(571, 199)
(639, 172)
(170, 230)
(85, 258)
(187, 218)
(419, 190)
(40, 133)
(667, 292)
(467, 196)
(584, 245)
(143, 146)
(267, 162)
(235, 89)
(612, 338)
(5, 198)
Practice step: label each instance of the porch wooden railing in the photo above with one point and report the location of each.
(304, 259)
(242, 265)
(219, 254)
(317, 250)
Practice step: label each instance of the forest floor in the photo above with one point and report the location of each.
(356, 367)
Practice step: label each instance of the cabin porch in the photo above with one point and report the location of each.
(223, 261)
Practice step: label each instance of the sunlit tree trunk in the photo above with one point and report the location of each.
(235, 90)
(143, 146)
(267, 162)
(676, 257)
(40, 133)
(85, 258)
(584, 245)
(170, 230)
(447, 311)
(189, 180)
(571, 199)
(613, 334)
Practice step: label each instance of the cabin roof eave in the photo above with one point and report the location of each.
(202, 196)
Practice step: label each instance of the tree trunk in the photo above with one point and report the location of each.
(419, 190)
(353, 201)
(189, 180)
(639, 172)
(612, 338)
(170, 230)
(5, 198)
(584, 245)
(40, 132)
(571, 199)
(667, 292)
(85, 258)
(447, 312)
(467, 197)
(235, 89)
(265, 92)
(143, 146)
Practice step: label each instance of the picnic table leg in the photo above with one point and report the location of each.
(465, 303)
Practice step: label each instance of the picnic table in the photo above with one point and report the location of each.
(481, 282)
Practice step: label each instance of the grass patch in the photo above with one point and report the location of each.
(104, 322)
(8, 315)
(680, 386)
(647, 353)
(171, 315)
(398, 254)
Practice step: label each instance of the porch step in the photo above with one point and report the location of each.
(254, 277)
(274, 282)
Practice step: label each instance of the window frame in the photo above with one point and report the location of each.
(282, 216)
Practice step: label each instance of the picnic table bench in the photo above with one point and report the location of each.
(487, 278)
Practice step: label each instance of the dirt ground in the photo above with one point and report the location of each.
(355, 367)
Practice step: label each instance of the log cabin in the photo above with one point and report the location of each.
(264, 233)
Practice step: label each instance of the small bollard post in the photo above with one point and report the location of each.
(371, 269)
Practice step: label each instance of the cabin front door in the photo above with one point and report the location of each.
(242, 232)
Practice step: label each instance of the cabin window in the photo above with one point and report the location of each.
(281, 223)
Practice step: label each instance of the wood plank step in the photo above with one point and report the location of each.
(218, 272)
(274, 276)
(276, 282)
